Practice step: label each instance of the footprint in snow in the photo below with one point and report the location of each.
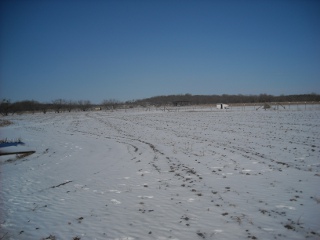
(145, 197)
(115, 201)
(284, 206)
(116, 191)
(166, 238)
(268, 229)
(96, 191)
(124, 238)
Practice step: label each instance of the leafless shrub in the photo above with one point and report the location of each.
(3, 236)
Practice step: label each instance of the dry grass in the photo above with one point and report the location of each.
(6, 140)
(4, 123)
(51, 237)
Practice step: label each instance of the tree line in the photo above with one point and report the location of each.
(189, 99)
(61, 105)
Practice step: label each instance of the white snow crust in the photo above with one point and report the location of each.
(188, 174)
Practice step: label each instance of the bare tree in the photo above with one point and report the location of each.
(84, 105)
(111, 103)
(58, 105)
(5, 106)
(44, 107)
(71, 105)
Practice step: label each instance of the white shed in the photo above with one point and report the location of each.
(222, 106)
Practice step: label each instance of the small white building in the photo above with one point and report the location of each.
(222, 106)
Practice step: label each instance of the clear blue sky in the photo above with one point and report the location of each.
(125, 50)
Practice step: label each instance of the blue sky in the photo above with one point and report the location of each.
(125, 50)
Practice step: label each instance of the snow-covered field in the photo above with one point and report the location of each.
(140, 174)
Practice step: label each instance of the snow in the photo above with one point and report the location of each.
(188, 174)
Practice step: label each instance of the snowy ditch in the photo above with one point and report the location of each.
(163, 175)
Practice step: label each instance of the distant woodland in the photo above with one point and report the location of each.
(225, 98)
(60, 105)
